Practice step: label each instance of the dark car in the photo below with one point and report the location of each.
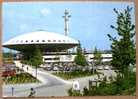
(48, 68)
(66, 68)
(61, 68)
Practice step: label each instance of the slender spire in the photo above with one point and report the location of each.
(66, 19)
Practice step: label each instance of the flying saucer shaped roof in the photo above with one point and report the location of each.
(45, 40)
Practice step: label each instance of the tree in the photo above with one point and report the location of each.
(123, 54)
(97, 57)
(36, 59)
(118, 86)
(8, 57)
(123, 47)
(80, 58)
(32, 57)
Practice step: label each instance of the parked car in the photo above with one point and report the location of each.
(106, 68)
(43, 65)
(112, 68)
(100, 67)
(55, 68)
(48, 68)
(8, 73)
(61, 68)
(78, 68)
(66, 68)
(85, 68)
(73, 68)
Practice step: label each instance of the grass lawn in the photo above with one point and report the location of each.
(20, 78)
(74, 74)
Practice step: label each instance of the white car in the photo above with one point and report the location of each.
(55, 68)
(106, 67)
(100, 67)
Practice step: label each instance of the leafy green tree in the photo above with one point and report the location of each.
(8, 57)
(36, 59)
(97, 57)
(33, 57)
(80, 58)
(123, 46)
(123, 52)
(118, 86)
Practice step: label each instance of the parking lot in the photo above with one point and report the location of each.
(74, 68)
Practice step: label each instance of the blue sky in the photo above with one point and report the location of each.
(89, 22)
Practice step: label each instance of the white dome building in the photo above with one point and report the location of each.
(50, 44)
(46, 41)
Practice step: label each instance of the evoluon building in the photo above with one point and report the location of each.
(47, 42)
(54, 46)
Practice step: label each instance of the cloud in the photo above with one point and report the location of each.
(45, 11)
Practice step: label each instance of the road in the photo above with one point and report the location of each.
(53, 87)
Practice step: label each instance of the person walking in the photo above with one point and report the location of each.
(32, 92)
(27, 68)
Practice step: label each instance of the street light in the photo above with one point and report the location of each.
(36, 71)
(12, 91)
(93, 69)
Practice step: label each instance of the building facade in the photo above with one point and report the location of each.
(69, 58)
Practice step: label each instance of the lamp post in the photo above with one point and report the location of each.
(22, 67)
(12, 91)
(93, 69)
(36, 72)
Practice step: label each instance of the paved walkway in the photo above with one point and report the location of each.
(42, 76)
(46, 79)
(50, 86)
(58, 90)
(7, 89)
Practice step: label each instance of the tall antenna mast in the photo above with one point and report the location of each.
(66, 19)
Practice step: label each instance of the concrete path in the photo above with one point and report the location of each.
(59, 90)
(42, 76)
(46, 79)
(51, 85)
(7, 89)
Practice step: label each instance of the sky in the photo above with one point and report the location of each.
(89, 22)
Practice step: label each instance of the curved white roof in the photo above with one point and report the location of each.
(41, 37)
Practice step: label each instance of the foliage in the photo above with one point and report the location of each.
(7, 54)
(119, 86)
(97, 57)
(7, 57)
(20, 78)
(123, 48)
(37, 58)
(72, 92)
(33, 57)
(74, 74)
(123, 56)
(80, 58)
